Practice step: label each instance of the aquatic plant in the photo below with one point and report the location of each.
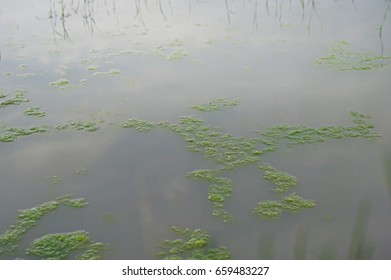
(192, 245)
(13, 133)
(216, 105)
(344, 59)
(138, 125)
(274, 208)
(51, 246)
(60, 82)
(17, 99)
(284, 181)
(35, 112)
(59, 246)
(90, 126)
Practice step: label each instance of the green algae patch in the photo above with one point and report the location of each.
(59, 246)
(271, 209)
(17, 99)
(219, 190)
(34, 112)
(342, 58)
(109, 73)
(193, 245)
(52, 246)
(90, 126)
(60, 83)
(283, 181)
(216, 105)
(13, 133)
(298, 135)
(139, 125)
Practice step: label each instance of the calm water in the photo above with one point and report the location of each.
(166, 56)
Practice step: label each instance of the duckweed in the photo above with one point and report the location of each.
(270, 209)
(282, 180)
(216, 105)
(138, 124)
(59, 246)
(35, 112)
(192, 245)
(342, 58)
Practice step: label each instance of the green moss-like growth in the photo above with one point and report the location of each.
(34, 112)
(138, 124)
(270, 209)
(17, 99)
(284, 181)
(297, 135)
(90, 126)
(60, 83)
(219, 191)
(13, 133)
(216, 105)
(59, 246)
(192, 245)
(344, 59)
(9, 240)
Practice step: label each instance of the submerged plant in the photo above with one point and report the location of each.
(344, 59)
(191, 245)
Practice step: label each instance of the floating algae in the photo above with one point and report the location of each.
(35, 112)
(90, 126)
(216, 105)
(284, 181)
(51, 246)
(344, 59)
(297, 135)
(59, 246)
(270, 209)
(138, 125)
(15, 100)
(60, 82)
(192, 245)
(13, 133)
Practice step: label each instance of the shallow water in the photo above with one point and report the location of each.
(153, 60)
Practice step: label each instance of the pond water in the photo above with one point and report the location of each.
(99, 63)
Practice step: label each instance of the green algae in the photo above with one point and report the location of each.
(193, 245)
(34, 112)
(298, 135)
(13, 133)
(60, 83)
(59, 246)
(55, 179)
(342, 58)
(138, 125)
(50, 246)
(17, 99)
(216, 105)
(283, 181)
(109, 73)
(271, 209)
(9, 240)
(90, 126)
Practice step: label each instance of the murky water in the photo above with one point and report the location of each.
(153, 60)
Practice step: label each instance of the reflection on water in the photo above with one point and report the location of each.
(88, 66)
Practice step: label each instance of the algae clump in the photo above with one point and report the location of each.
(191, 245)
(342, 58)
(216, 105)
(59, 246)
(34, 112)
(284, 181)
